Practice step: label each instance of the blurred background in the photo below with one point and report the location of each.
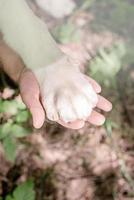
(93, 163)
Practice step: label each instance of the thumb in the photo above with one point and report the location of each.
(38, 114)
(30, 93)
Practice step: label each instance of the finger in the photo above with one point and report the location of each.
(38, 115)
(30, 95)
(73, 125)
(94, 84)
(96, 118)
(104, 104)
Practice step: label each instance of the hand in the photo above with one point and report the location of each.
(95, 118)
(13, 65)
(69, 96)
(30, 91)
(31, 96)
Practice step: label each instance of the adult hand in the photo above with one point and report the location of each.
(30, 90)
(13, 65)
(31, 96)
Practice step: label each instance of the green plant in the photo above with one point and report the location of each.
(107, 63)
(109, 125)
(25, 191)
(67, 33)
(117, 17)
(86, 4)
(15, 115)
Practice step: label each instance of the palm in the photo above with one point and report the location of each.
(30, 93)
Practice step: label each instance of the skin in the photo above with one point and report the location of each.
(13, 65)
(47, 74)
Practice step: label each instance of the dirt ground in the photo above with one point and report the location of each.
(93, 163)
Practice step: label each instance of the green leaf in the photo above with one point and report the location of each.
(25, 191)
(20, 105)
(9, 198)
(68, 33)
(1, 105)
(22, 116)
(18, 131)
(11, 129)
(10, 147)
(109, 126)
(5, 129)
(86, 4)
(105, 66)
(9, 107)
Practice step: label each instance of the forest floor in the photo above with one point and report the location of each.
(93, 163)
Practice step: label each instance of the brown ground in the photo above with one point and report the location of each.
(89, 164)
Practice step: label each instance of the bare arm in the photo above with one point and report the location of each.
(65, 93)
(10, 61)
(63, 87)
(27, 34)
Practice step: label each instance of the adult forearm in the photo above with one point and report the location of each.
(10, 62)
(27, 34)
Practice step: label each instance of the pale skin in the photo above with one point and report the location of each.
(51, 86)
(14, 67)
